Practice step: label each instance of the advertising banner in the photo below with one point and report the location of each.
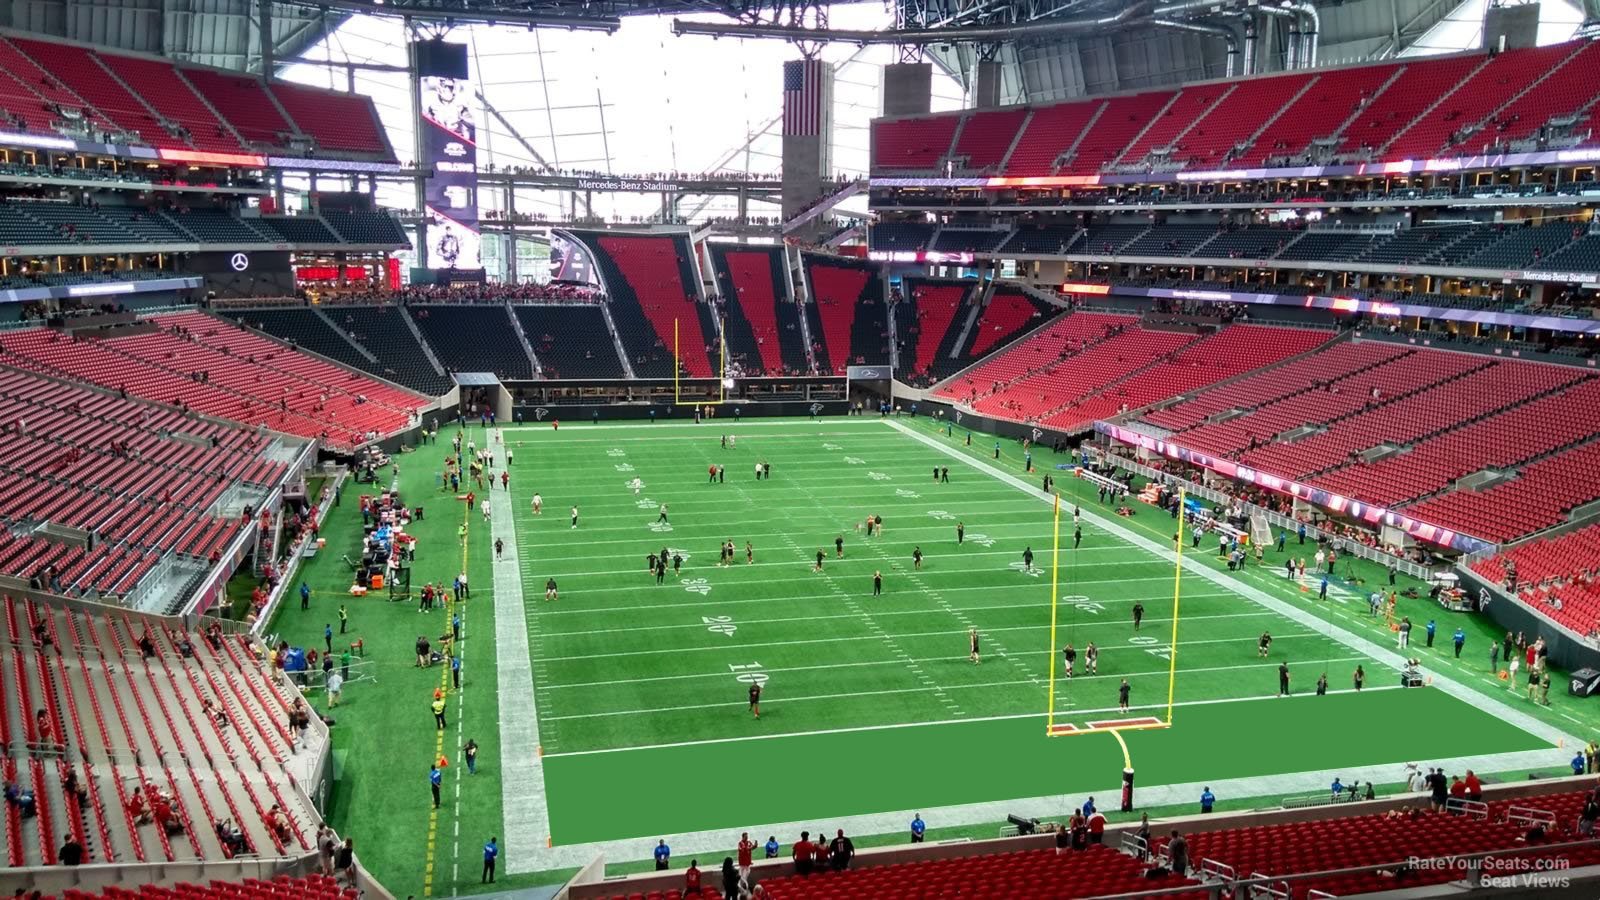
(449, 143)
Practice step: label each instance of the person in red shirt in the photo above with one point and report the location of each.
(746, 850)
(471, 499)
(505, 481)
(1097, 828)
(1458, 788)
(819, 852)
(1474, 787)
(712, 471)
(802, 854)
(691, 879)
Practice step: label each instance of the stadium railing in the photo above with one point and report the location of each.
(294, 557)
(1279, 520)
(590, 883)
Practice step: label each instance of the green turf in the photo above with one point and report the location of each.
(912, 767)
(623, 663)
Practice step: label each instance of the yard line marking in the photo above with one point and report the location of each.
(688, 522)
(633, 570)
(524, 809)
(985, 587)
(692, 603)
(892, 662)
(1306, 618)
(954, 611)
(1213, 701)
(873, 637)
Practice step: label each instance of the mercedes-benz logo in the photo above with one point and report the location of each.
(240, 261)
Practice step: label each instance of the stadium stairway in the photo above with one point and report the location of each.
(930, 319)
(1556, 575)
(572, 340)
(472, 338)
(650, 281)
(849, 305)
(1211, 360)
(386, 333)
(759, 327)
(174, 725)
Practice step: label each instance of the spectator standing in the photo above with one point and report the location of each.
(1178, 852)
(746, 851)
(71, 852)
(801, 854)
(841, 852)
(345, 860)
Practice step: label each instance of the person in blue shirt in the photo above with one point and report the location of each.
(455, 627)
(1302, 532)
(996, 449)
(1088, 807)
(1322, 592)
(1431, 628)
(435, 778)
(663, 854)
(1207, 800)
(327, 637)
(1460, 637)
(455, 671)
(305, 596)
(772, 847)
(1338, 787)
(491, 852)
(917, 828)
(1283, 538)
(1577, 763)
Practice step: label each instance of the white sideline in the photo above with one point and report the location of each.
(523, 805)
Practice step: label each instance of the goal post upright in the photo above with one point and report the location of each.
(677, 364)
(1055, 569)
(1177, 583)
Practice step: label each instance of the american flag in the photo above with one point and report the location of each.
(803, 96)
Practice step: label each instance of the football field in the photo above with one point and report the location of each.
(636, 691)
